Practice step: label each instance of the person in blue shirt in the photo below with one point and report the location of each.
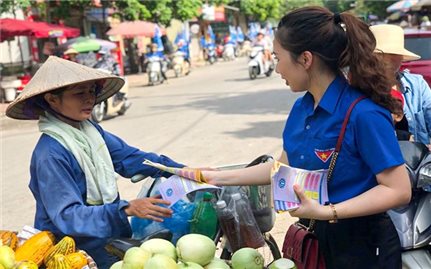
(416, 91)
(75, 163)
(157, 55)
(183, 46)
(313, 47)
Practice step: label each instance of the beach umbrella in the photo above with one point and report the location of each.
(403, 5)
(85, 44)
(130, 29)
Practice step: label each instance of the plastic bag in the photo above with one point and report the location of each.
(250, 234)
(178, 224)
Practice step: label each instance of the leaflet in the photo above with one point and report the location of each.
(283, 177)
(184, 181)
(174, 188)
(185, 172)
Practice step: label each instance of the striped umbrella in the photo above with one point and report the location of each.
(403, 5)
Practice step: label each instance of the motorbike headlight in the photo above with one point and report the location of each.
(424, 178)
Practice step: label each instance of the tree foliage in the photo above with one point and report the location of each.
(130, 10)
(261, 10)
(163, 11)
(9, 6)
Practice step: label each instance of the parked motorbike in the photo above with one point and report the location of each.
(12, 86)
(156, 68)
(256, 66)
(413, 221)
(229, 52)
(9, 89)
(115, 105)
(179, 64)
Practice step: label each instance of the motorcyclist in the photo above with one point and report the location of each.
(70, 54)
(263, 42)
(107, 62)
(183, 46)
(158, 55)
(207, 43)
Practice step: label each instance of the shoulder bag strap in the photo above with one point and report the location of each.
(337, 148)
(341, 136)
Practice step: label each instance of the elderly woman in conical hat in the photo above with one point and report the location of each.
(75, 163)
(415, 90)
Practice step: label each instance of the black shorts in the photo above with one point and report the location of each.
(368, 242)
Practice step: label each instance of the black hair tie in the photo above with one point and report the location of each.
(337, 18)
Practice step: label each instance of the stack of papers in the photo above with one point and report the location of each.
(184, 181)
(283, 177)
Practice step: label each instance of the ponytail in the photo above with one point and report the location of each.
(341, 41)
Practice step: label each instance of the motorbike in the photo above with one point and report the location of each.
(11, 87)
(179, 64)
(116, 104)
(211, 53)
(256, 66)
(156, 67)
(229, 52)
(413, 221)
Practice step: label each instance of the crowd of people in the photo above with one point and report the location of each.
(74, 164)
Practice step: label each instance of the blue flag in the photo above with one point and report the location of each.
(240, 35)
(158, 38)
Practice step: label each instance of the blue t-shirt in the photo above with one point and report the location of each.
(369, 146)
(59, 187)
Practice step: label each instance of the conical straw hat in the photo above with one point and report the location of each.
(390, 40)
(57, 73)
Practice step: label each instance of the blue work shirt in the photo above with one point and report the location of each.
(417, 107)
(369, 146)
(59, 186)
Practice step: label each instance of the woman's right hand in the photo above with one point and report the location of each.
(149, 208)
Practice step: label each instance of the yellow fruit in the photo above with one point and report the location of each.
(26, 265)
(65, 246)
(35, 248)
(77, 260)
(7, 257)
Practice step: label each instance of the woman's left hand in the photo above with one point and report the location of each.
(309, 208)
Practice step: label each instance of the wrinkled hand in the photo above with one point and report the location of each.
(149, 208)
(309, 208)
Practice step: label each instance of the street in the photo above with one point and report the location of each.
(215, 116)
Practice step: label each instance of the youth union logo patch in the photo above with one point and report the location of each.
(324, 154)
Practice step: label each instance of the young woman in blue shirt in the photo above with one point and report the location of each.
(313, 46)
(75, 163)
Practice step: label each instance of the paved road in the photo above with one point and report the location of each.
(215, 116)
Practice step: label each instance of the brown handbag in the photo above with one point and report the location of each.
(300, 243)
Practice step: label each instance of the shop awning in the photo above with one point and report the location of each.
(13, 27)
(46, 30)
